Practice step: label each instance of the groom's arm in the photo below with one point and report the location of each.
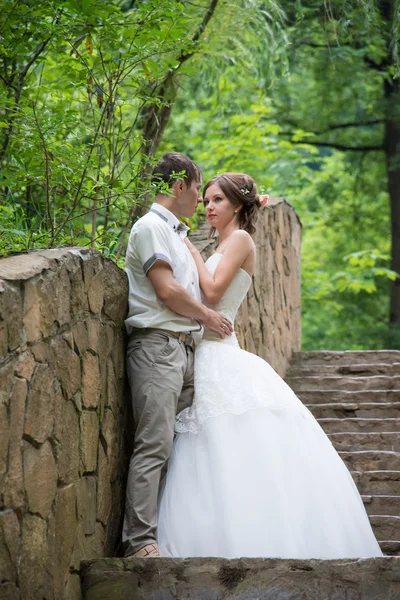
(179, 300)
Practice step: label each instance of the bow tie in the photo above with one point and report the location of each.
(181, 229)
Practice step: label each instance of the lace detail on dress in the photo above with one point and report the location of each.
(231, 380)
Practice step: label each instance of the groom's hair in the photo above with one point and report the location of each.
(173, 166)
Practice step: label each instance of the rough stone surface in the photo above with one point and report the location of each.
(15, 492)
(54, 335)
(66, 434)
(40, 412)
(269, 320)
(40, 477)
(247, 579)
(89, 440)
(34, 577)
(90, 380)
(9, 540)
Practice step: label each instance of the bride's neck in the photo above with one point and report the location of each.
(225, 232)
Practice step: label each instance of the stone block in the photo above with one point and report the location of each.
(118, 353)
(65, 527)
(9, 542)
(66, 364)
(35, 581)
(11, 313)
(90, 381)
(73, 588)
(80, 334)
(40, 478)
(67, 435)
(93, 330)
(41, 352)
(15, 492)
(95, 292)
(115, 293)
(69, 338)
(4, 441)
(9, 591)
(32, 310)
(79, 301)
(3, 340)
(241, 579)
(95, 544)
(40, 407)
(54, 292)
(104, 491)
(25, 365)
(6, 380)
(112, 399)
(86, 503)
(111, 433)
(89, 426)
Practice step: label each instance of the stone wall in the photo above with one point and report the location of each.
(269, 321)
(62, 418)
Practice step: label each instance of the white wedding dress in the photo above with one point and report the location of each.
(251, 472)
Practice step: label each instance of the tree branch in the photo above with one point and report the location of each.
(340, 147)
(337, 126)
(207, 17)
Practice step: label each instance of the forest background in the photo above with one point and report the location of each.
(303, 95)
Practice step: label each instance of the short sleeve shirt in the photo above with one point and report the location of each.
(159, 235)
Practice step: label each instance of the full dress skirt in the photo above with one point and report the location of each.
(252, 473)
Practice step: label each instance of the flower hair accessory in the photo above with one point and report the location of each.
(264, 200)
(244, 191)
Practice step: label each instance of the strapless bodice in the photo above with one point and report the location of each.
(233, 297)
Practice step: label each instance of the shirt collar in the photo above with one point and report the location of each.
(167, 216)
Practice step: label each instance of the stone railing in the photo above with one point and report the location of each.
(62, 418)
(269, 320)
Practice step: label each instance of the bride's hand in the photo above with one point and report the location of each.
(190, 245)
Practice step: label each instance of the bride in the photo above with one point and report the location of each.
(251, 472)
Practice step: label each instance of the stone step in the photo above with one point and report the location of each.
(344, 382)
(382, 505)
(240, 579)
(358, 425)
(369, 460)
(370, 483)
(385, 527)
(390, 547)
(344, 396)
(347, 357)
(350, 440)
(344, 410)
(357, 370)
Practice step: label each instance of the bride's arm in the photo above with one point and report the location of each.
(214, 286)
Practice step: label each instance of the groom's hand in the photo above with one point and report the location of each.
(218, 323)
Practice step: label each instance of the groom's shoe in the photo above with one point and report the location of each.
(147, 552)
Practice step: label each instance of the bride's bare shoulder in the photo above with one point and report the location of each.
(240, 236)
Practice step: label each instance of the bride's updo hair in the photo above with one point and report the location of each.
(241, 191)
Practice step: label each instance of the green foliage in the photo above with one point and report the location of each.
(84, 88)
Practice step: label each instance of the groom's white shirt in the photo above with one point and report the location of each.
(159, 235)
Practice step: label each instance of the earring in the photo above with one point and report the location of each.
(236, 212)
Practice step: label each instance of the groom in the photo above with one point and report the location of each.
(165, 319)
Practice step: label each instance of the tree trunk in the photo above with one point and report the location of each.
(392, 151)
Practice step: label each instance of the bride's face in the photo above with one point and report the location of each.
(219, 210)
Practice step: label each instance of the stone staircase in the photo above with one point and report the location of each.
(356, 398)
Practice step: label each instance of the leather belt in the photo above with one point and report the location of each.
(185, 337)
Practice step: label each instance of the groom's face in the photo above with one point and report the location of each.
(189, 198)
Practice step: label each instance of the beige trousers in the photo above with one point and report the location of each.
(160, 374)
